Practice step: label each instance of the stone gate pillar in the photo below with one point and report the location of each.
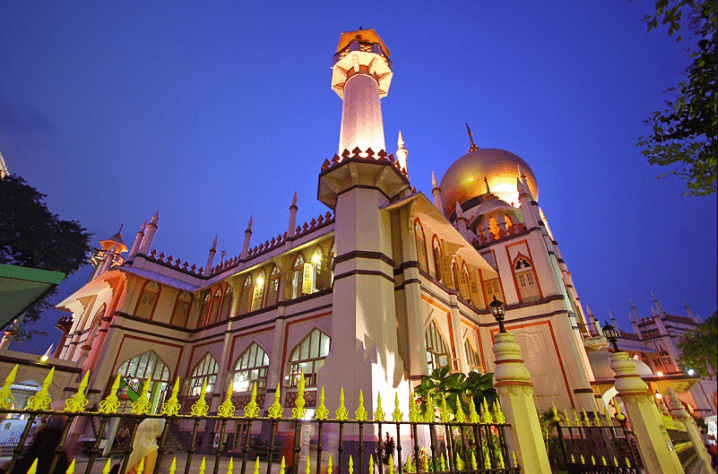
(682, 415)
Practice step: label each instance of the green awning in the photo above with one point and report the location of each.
(22, 287)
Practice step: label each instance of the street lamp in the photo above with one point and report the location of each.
(497, 309)
(612, 335)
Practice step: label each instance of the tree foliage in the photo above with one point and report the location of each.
(685, 133)
(458, 389)
(31, 236)
(700, 348)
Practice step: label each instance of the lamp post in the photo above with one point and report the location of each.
(612, 335)
(497, 309)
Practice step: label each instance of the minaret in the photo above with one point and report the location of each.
(247, 236)
(138, 242)
(210, 259)
(402, 153)
(112, 246)
(661, 313)
(436, 191)
(292, 216)
(363, 299)
(361, 76)
(635, 311)
(150, 235)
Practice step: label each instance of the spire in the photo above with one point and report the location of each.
(473, 146)
(436, 192)
(658, 305)
(589, 312)
(119, 232)
(150, 234)
(247, 236)
(690, 313)
(292, 216)
(156, 218)
(138, 241)
(486, 183)
(401, 153)
(214, 244)
(459, 210)
(210, 258)
(613, 320)
(434, 183)
(249, 224)
(294, 199)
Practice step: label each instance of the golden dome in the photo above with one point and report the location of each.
(464, 179)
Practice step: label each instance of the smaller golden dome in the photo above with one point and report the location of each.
(464, 180)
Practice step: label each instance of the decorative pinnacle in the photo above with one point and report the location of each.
(400, 141)
(156, 218)
(142, 229)
(459, 210)
(294, 199)
(486, 182)
(434, 183)
(473, 146)
(121, 227)
(214, 244)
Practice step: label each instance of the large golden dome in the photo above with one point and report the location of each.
(464, 179)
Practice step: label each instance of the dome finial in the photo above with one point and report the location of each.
(486, 182)
(473, 146)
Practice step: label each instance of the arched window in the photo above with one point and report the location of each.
(206, 369)
(472, 357)
(492, 288)
(420, 246)
(273, 287)
(216, 301)
(181, 310)
(226, 303)
(297, 277)
(308, 356)
(204, 309)
(258, 292)
(148, 300)
(509, 223)
(526, 279)
(137, 370)
(251, 367)
(96, 323)
(436, 253)
(494, 228)
(437, 353)
(244, 295)
(320, 271)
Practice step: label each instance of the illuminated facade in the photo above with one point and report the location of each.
(385, 287)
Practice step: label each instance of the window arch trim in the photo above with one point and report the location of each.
(142, 293)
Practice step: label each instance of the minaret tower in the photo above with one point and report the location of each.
(358, 185)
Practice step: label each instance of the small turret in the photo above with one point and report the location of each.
(138, 241)
(247, 236)
(292, 216)
(210, 259)
(402, 153)
(436, 191)
(658, 306)
(634, 324)
(150, 234)
(694, 317)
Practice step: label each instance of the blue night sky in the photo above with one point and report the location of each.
(214, 111)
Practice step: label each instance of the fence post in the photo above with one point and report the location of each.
(682, 415)
(516, 392)
(654, 444)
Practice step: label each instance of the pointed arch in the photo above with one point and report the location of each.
(436, 252)
(420, 239)
(308, 356)
(216, 302)
(136, 370)
(258, 293)
(226, 303)
(297, 277)
(147, 302)
(437, 351)
(206, 369)
(250, 367)
(273, 286)
(472, 356)
(96, 323)
(180, 313)
(206, 298)
(244, 295)
(525, 279)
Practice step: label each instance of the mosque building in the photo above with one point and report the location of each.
(385, 287)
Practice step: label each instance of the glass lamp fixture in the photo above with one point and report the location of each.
(612, 335)
(497, 309)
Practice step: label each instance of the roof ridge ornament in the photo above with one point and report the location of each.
(473, 146)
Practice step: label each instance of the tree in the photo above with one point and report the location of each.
(685, 133)
(31, 236)
(458, 389)
(700, 348)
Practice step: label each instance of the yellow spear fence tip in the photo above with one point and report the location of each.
(502, 463)
(573, 458)
(307, 467)
(78, 402)
(397, 415)
(473, 416)
(172, 406)
(586, 419)
(608, 419)
(442, 462)
(391, 464)
(111, 404)
(499, 414)
(321, 413)
(576, 418)
(429, 415)
(256, 464)
(282, 466)
(516, 461)
(459, 462)
(460, 416)
(71, 468)
(556, 418)
(619, 415)
(444, 410)
(628, 463)
(142, 405)
(583, 461)
(200, 407)
(379, 413)
(371, 464)
(474, 465)
(33, 467)
(230, 466)
(351, 465)
(173, 466)
(6, 396)
(361, 414)
(226, 409)
(615, 461)
(409, 466)
(593, 460)
(329, 465)
(414, 415)
(341, 414)
(251, 410)
(141, 466)
(42, 399)
(298, 411)
(603, 458)
(108, 467)
(203, 464)
(276, 410)
(568, 419)
(486, 415)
